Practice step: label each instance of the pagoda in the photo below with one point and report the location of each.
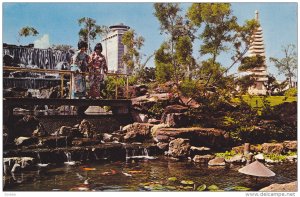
(259, 72)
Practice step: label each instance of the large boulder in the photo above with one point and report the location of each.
(199, 150)
(272, 148)
(175, 116)
(70, 132)
(198, 136)
(138, 132)
(287, 187)
(87, 128)
(26, 126)
(218, 161)
(290, 146)
(203, 159)
(179, 148)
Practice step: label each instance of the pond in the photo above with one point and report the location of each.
(142, 175)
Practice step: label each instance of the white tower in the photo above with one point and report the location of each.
(260, 72)
(113, 49)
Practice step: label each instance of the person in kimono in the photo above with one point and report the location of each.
(97, 72)
(79, 64)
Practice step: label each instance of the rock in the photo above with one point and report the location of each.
(174, 116)
(156, 127)
(203, 158)
(218, 161)
(290, 146)
(179, 148)
(25, 141)
(87, 128)
(54, 141)
(238, 149)
(153, 121)
(40, 131)
(272, 148)
(107, 137)
(260, 157)
(140, 118)
(162, 146)
(85, 142)
(287, 187)
(162, 138)
(25, 126)
(208, 137)
(292, 158)
(68, 131)
(194, 150)
(270, 161)
(138, 132)
(237, 159)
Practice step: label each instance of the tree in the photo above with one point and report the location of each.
(221, 32)
(89, 31)
(288, 64)
(133, 43)
(164, 69)
(27, 31)
(179, 32)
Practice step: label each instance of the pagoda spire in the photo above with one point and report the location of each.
(256, 16)
(257, 48)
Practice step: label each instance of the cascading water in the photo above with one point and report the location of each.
(138, 153)
(39, 161)
(69, 159)
(33, 58)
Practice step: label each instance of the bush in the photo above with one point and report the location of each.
(291, 92)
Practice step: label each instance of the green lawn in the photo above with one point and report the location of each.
(257, 101)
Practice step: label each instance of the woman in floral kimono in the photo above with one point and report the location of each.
(79, 64)
(98, 69)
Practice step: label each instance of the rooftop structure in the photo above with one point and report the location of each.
(113, 49)
(260, 72)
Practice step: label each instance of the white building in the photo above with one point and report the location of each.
(113, 49)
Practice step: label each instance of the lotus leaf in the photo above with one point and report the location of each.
(201, 187)
(213, 187)
(187, 182)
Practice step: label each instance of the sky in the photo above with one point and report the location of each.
(57, 24)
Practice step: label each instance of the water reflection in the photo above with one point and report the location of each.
(153, 174)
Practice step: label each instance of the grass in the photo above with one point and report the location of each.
(257, 101)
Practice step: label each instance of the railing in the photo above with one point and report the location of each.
(66, 72)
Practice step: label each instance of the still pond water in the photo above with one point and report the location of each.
(142, 175)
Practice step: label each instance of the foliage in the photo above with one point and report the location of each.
(178, 47)
(289, 64)
(89, 31)
(275, 157)
(226, 155)
(158, 108)
(28, 31)
(249, 63)
(164, 69)
(133, 44)
(291, 92)
(244, 83)
(112, 82)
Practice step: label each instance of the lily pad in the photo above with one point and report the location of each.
(172, 179)
(241, 188)
(187, 182)
(213, 188)
(188, 187)
(170, 187)
(201, 187)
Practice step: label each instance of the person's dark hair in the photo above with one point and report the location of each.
(98, 46)
(82, 44)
